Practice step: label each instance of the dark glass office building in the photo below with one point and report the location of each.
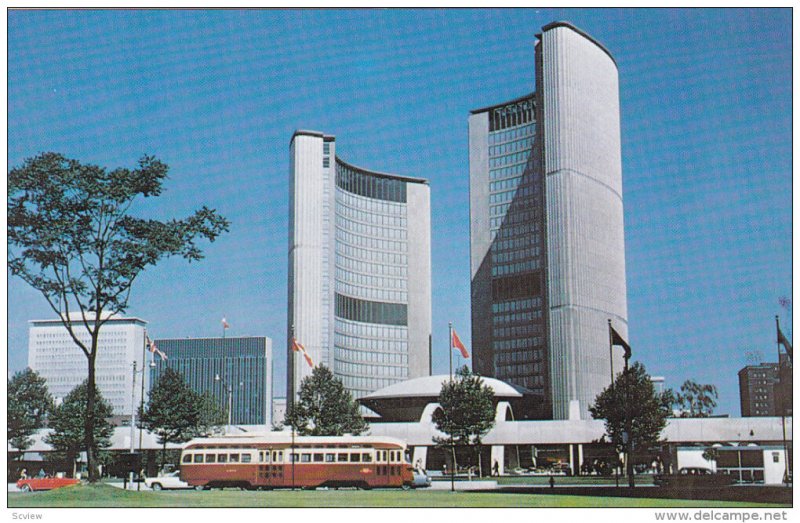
(244, 364)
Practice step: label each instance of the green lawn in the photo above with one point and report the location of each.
(106, 496)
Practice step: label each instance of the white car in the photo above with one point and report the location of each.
(170, 480)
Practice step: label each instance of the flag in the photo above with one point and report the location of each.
(783, 341)
(455, 343)
(308, 359)
(296, 346)
(616, 339)
(225, 324)
(151, 346)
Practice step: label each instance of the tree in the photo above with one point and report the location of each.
(324, 407)
(29, 403)
(467, 412)
(71, 237)
(174, 412)
(696, 400)
(212, 416)
(67, 424)
(632, 397)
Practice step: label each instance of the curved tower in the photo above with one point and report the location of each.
(547, 234)
(359, 270)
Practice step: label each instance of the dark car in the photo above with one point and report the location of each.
(690, 477)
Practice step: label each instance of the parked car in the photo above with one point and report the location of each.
(32, 484)
(693, 477)
(170, 480)
(421, 479)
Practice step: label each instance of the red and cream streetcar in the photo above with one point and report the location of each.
(276, 460)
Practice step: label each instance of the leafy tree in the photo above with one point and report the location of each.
(696, 400)
(467, 412)
(29, 403)
(631, 397)
(174, 412)
(71, 237)
(212, 416)
(67, 423)
(324, 407)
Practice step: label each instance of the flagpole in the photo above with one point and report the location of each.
(450, 343)
(783, 401)
(611, 353)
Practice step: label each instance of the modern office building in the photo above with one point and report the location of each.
(236, 371)
(359, 270)
(546, 231)
(54, 355)
(763, 392)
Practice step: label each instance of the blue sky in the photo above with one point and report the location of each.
(706, 149)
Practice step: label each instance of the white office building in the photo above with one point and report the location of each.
(54, 355)
(359, 270)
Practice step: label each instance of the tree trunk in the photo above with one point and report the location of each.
(89, 421)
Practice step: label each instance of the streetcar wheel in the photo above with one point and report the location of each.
(199, 487)
(406, 486)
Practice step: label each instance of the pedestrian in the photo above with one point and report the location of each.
(23, 474)
(41, 473)
(496, 469)
(552, 481)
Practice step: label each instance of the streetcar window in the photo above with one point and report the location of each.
(342, 456)
(234, 458)
(318, 457)
(366, 458)
(246, 458)
(305, 458)
(211, 458)
(187, 458)
(198, 458)
(261, 456)
(295, 457)
(330, 458)
(222, 458)
(274, 456)
(355, 457)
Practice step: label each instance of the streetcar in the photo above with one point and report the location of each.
(278, 460)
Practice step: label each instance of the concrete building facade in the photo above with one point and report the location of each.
(766, 389)
(546, 231)
(359, 270)
(237, 366)
(54, 355)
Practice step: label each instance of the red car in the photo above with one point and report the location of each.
(31, 484)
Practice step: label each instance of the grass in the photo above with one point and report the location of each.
(85, 496)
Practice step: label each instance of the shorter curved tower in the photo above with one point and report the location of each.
(359, 270)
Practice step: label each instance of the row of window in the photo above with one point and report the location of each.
(364, 356)
(515, 244)
(509, 159)
(344, 198)
(517, 305)
(355, 369)
(371, 293)
(503, 185)
(364, 311)
(511, 134)
(512, 229)
(517, 331)
(512, 256)
(519, 357)
(519, 343)
(381, 257)
(515, 268)
(507, 171)
(511, 115)
(345, 341)
(521, 215)
(498, 210)
(524, 143)
(514, 317)
(377, 269)
(531, 370)
(363, 330)
(360, 385)
(370, 185)
(369, 242)
(374, 218)
(507, 196)
(371, 281)
(370, 230)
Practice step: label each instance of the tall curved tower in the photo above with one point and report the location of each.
(547, 233)
(359, 270)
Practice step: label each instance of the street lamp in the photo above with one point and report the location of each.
(133, 405)
(230, 399)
